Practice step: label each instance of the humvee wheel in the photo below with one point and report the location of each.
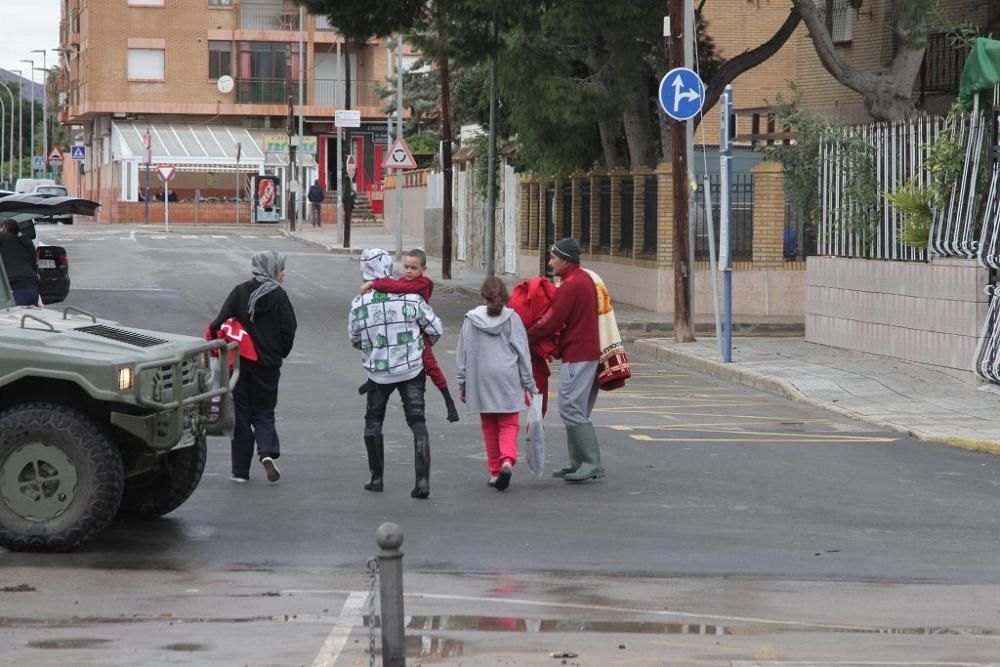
(158, 492)
(61, 478)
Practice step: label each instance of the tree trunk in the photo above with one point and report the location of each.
(638, 124)
(608, 129)
(887, 95)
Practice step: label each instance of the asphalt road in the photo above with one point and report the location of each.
(707, 482)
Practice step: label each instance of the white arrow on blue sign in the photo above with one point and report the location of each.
(682, 93)
(78, 152)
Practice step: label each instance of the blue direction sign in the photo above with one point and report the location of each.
(78, 152)
(682, 93)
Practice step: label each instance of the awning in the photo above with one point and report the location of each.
(192, 146)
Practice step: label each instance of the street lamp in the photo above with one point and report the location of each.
(20, 122)
(45, 107)
(31, 72)
(10, 161)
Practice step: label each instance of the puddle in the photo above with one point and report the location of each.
(185, 647)
(539, 625)
(74, 643)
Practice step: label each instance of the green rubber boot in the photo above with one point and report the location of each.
(572, 444)
(590, 455)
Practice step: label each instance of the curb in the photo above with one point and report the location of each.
(333, 250)
(761, 382)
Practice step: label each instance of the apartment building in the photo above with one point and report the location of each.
(862, 31)
(208, 86)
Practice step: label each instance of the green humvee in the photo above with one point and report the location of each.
(97, 420)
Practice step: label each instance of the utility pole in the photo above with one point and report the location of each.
(292, 191)
(690, 35)
(302, 101)
(399, 133)
(20, 121)
(45, 109)
(491, 181)
(683, 329)
(445, 155)
(31, 72)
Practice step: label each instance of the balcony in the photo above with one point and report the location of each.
(268, 17)
(262, 91)
(332, 93)
(941, 71)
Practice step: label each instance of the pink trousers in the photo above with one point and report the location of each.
(500, 435)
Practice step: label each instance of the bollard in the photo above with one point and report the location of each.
(389, 537)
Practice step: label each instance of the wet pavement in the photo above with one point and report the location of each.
(733, 526)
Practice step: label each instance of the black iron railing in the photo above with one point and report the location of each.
(628, 216)
(650, 214)
(604, 213)
(741, 233)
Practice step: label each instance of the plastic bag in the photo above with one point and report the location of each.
(535, 437)
(216, 424)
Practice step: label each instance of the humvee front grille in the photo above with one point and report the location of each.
(121, 335)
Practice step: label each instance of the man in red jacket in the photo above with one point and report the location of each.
(574, 315)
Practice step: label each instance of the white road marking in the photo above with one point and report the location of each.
(223, 236)
(247, 236)
(161, 236)
(192, 236)
(348, 619)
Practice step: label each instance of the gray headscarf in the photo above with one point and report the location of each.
(265, 267)
(376, 263)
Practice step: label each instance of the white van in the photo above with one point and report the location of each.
(29, 184)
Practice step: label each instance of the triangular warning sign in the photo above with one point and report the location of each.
(55, 155)
(399, 156)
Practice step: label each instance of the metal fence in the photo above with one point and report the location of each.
(799, 238)
(628, 217)
(585, 215)
(742, 218)
(566, 201)
(262, 91)
(604, 214)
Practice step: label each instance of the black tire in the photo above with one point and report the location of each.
(161, 491)
(61, 478)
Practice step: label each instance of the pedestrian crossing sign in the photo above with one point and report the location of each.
(399, 156)
(78, 152)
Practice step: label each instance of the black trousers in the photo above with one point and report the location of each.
(255, 397)
(412, 394)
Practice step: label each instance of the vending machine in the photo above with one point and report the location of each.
(266, 198)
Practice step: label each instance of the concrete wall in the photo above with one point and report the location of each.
(414, 203)
(929, 314)
(756, 292)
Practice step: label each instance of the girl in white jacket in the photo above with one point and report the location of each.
(494, 371)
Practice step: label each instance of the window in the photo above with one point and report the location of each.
(220, 55)
(220, 3)
(839, 16)
(145, 64)
(268, 60)
(145, 3)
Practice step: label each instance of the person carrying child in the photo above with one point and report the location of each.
(416, 281)
(494, 371)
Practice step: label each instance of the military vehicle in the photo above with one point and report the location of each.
(97, 420)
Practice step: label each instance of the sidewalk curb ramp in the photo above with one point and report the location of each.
(734, 373)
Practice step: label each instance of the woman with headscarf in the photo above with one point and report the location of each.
(262, 307)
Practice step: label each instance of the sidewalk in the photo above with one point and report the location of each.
(884, 392)
(633, 321)
(769, 354)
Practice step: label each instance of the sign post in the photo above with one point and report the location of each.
(166, 172)
(725, 220)
(343, 118)
(147, 141)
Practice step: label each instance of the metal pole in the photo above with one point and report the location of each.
(3, 127)
(10, 160)
(148, 141)
(389, 537)
(689, 46)
(713, 265)
(399, 134)
(340, 153)
(300, 210)
(725, 238)
(32, 71)
(20, 122)
(491, 166)
(166, 207)
(45, 107)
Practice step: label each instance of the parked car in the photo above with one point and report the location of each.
(53, 261)
(53, 191)
(26, 185)
(97, 419)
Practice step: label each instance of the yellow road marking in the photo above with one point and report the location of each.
(785, 438)
(652, 409)
(682, 426)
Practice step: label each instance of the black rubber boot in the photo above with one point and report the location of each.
(376, 461)
(450, 404)
(422, 466)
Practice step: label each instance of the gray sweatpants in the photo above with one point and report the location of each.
(577, 391)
